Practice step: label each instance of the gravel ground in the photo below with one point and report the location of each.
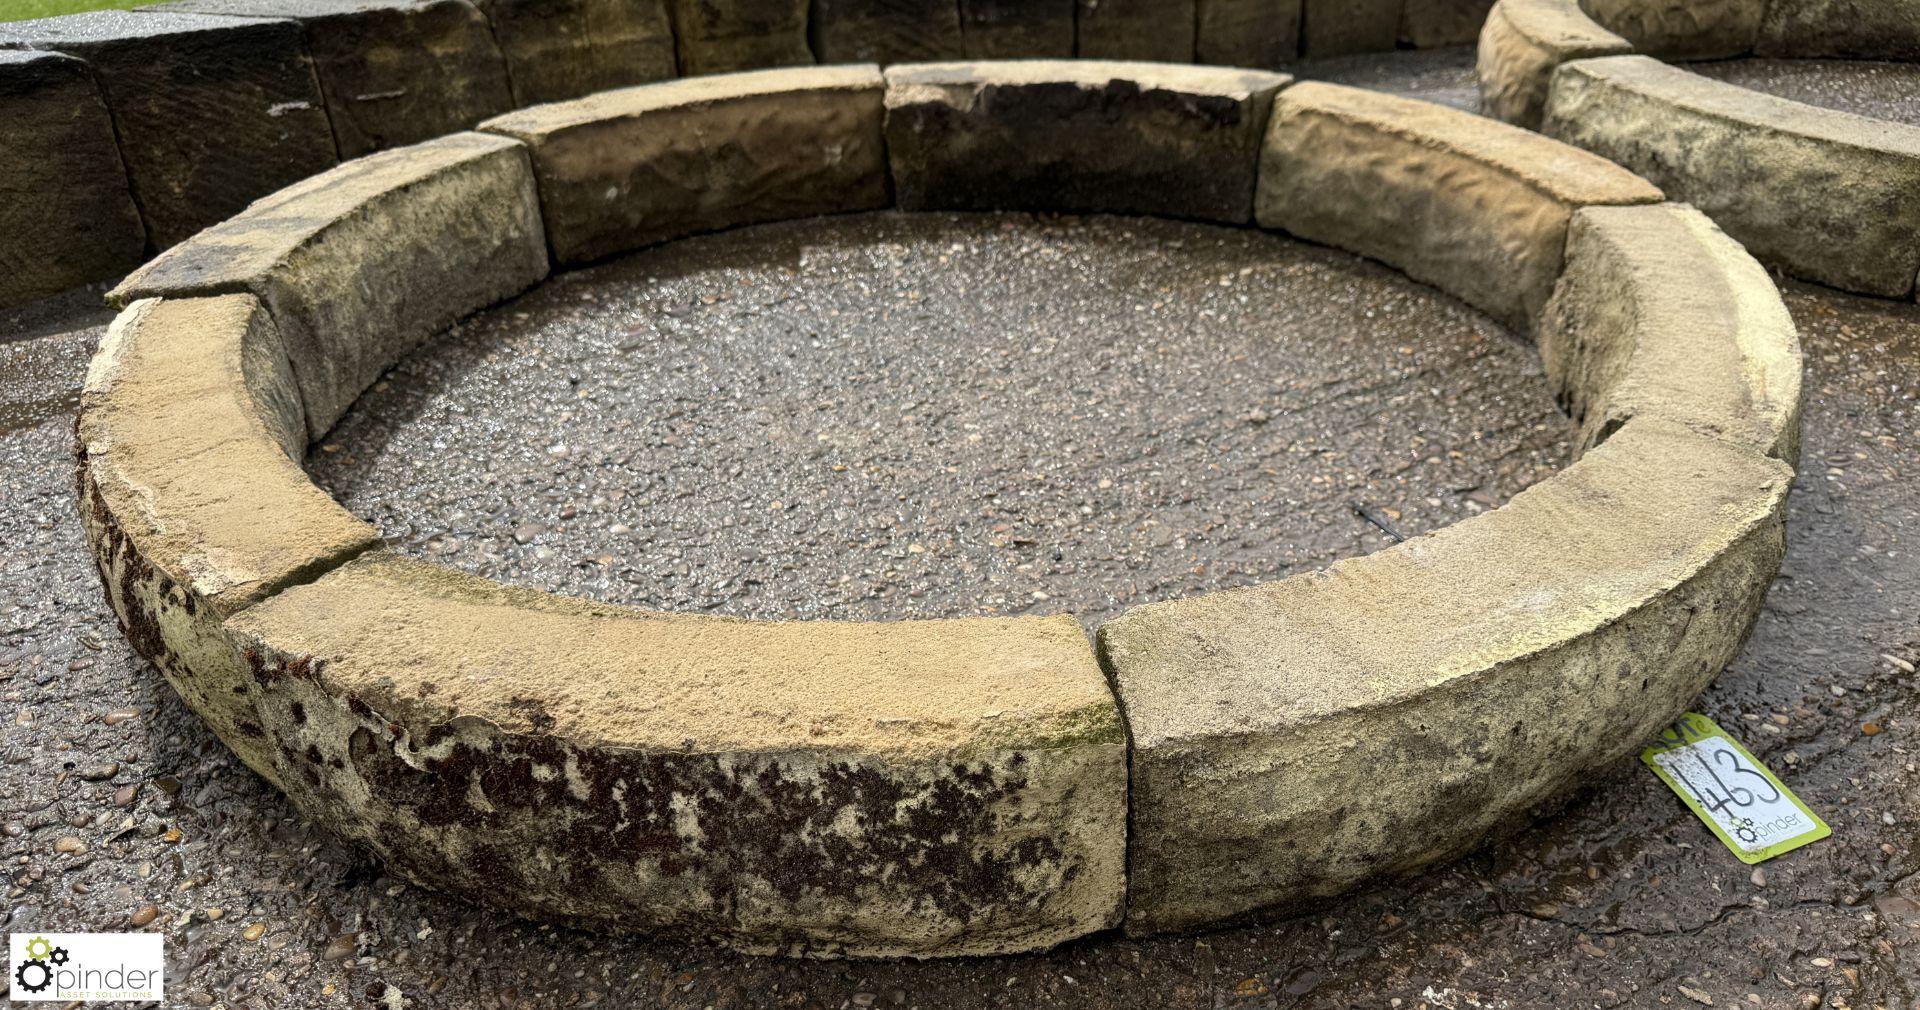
(1868, 88)
(896, 415)
(119, 810)
(1437, 75)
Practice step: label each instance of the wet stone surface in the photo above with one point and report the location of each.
(1624, 900)
(894, 415)
(1864, 87)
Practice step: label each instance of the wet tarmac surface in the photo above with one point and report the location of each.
(896, 415)
(119, 810)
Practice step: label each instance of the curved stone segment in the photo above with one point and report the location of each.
(361, 263)
(561, 49)
(718, 38)
(1848, 29)
(193, 501)
(1683, 29)
(393, 72)
(1477, 208)
(1080, 135)
(1830, 196)
(66, 217)
(210, 112)
(1660, 315)
(1295, 738)
(920, 788)
(631, 168)
(1521, 44)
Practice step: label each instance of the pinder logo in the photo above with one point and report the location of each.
(68, 967)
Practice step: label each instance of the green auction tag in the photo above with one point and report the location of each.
(1737, 796)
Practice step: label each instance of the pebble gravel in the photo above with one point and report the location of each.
(896, 415)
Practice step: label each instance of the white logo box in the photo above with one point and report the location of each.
(65, 967)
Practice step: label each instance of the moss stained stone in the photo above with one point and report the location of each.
(907, 789)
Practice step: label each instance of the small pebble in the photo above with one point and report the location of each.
(143, 915)
(254, 932)
(96, 773)
(1871, 729)
(341, 947)
(120, 715)
(69, 845)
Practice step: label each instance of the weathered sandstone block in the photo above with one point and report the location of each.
(393, 71)
(1660, 315)
(1083, 135)
(211, 112)
(66, 217)
(717, 38)
(1261, 34)
(1295, 738)
(1521, 44)
(912, 788)
(195, 506)
(1430, 24)
(1017, 29)
(361, 263)
(1830, 196)
(1682, 29)
(885, 31)
(629, 168)
(560, 49)
(1159, 30)
(1847, 29)
(1343, 27)
(1475, 207)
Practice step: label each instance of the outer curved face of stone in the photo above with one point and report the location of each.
(1140, 138)
(1292, 739)
(1848, 29)
(1521, 44)
(624, 169)
(1475, 207)
(1660, 315)
(1838, 199)
(1683, 29)
(918, 788)
(360, 263)
(192, 498)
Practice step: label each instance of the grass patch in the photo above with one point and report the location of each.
(24, 10)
